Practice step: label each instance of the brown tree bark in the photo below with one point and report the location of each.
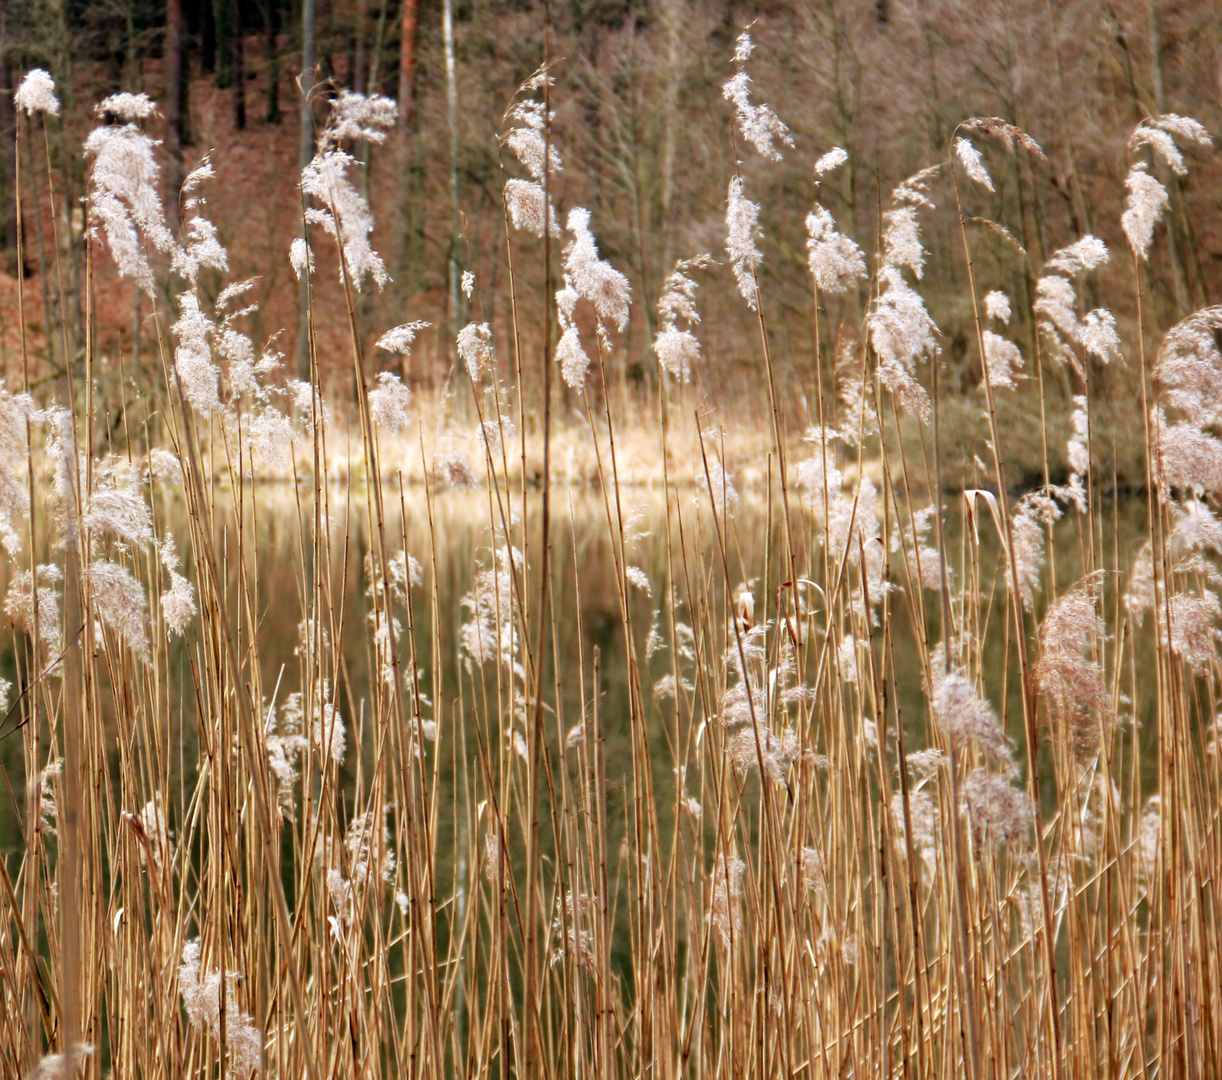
(271, 23)
(8, 166)
(409, 26)
(360, 61)
(238, 54)
(306, 150)
(175, 102)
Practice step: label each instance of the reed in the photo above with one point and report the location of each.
(833, 760)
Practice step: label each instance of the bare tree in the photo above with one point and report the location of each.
(271, 27)
(409, 25)
(306, 152)
(238, 59)
(175, 101)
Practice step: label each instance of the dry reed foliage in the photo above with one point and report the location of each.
(442, 829)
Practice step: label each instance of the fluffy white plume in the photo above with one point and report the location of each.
(835, 261)
(527, 139)
(571, 356)
(359, 118)
(901, 233)
(388, 402)
(742, 227)
(475, 349)
(400, 339)
(526, 201)
(1002, 360)
(124, 201)
(678, 348)
(201, 998)
(1143, 209)
(202, 247)
(178, 604)
(593, 278)
(1056, 307)
(758, 124)
(1159, 133)
(1083, 255)
(120, 603)
(831, 161)
(973, 165)
(902, 333)
(126, 108)
(121, 512)
(343, 212)
(997, 306)
(301, 257)
(37, 93)
(193, 355)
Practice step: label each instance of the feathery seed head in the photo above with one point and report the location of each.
(1188, 368)
(400, 339)
(126, 108)
(124, 201)
(301, 257)
(573, 360)
(968, 719)
(1066, 672)
(835, 261)
(758, 124)
(1159, 133)
(193, 355)
(593, 278)
(358, 118)
(742, 228)
(830, 161)
(178, 604)
(343, 212)
(997, 812)
(1003, 361)
(201, 998)
(388, 402)
(526, 201)
(727, 877)
(121, 512)
(973, 164)
(1088, 253)
(452, 467)
(678, 349)
(475, 349)
(37, 94)
(997, 306)
(1146, 203)
(1194, 634)
(120, 603)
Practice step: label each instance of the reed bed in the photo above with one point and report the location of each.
(864, 776)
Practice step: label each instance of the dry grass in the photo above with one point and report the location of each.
(843, 782)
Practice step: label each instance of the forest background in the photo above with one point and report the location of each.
(647, 145)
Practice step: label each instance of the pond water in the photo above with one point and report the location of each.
(450, 535)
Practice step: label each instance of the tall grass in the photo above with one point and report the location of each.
(866, 774)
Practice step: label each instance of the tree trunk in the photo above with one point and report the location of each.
(452, 116)
(271, 25)
(223, 23)
(360, 62)
(175, 104)
(238, 56)
(306, 153)
(408, 27)
(8, 165)
(207, 38)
